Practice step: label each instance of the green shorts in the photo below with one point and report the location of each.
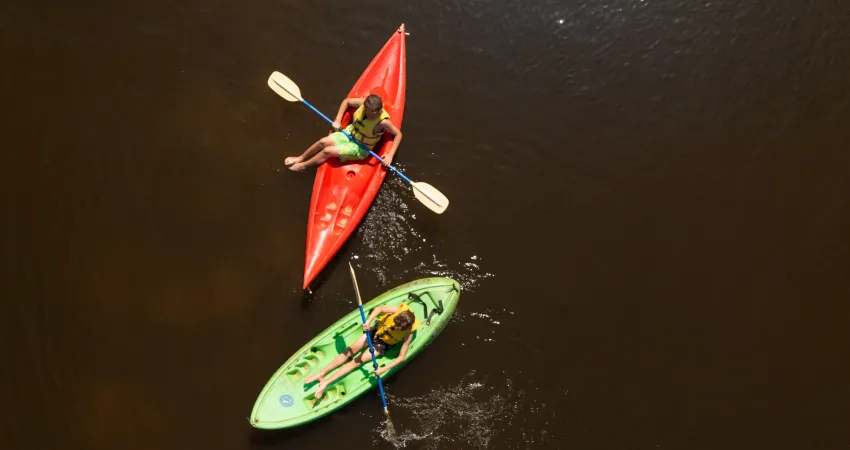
(348, 150)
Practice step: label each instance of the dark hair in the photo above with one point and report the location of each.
(404, 320)
(373, 103)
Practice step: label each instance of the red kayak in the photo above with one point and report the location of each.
(343, 192)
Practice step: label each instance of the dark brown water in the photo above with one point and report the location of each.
(650, 214)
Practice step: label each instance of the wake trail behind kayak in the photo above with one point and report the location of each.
(464, 415)
(469, 415)
(390, 237)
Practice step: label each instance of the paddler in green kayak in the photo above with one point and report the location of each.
(397, 324)
(368, 125)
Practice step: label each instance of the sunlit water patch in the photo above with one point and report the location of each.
(392, 247)
(473, 414)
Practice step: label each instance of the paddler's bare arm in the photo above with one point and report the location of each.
(343, 107)
(378, 311)
(401, 354)
(389, 126)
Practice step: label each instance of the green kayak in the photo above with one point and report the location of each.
(285, 402)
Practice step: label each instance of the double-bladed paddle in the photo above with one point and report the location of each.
(424, 192)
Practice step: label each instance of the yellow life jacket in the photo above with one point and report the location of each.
(387, 321)
(363, 129)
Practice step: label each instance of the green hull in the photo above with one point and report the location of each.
(285, 402)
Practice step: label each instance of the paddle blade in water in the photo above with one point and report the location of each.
(430, 197)
(285, 87)
(354, 280)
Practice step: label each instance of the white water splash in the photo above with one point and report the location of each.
(473, 415)
(465, 416)
(468, 274)
(389, 239)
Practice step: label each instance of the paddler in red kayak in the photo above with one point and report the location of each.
(368, 125)
(396, 325)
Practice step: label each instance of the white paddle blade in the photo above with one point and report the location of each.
(285, 87)
(430, 197)
(354, 281)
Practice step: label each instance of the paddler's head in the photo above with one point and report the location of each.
(372, 106)
(404, 320)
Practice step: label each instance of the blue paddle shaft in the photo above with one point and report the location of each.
(356, 142)
(371, 349)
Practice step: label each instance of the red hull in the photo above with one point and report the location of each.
(343, 192)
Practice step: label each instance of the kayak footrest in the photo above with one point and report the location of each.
(297, 373)
(331, 394)
(302, 368)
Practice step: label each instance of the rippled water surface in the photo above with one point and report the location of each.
(649, 215)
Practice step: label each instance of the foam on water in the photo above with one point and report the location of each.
(389, 239)
(466, 415)
(472, 415)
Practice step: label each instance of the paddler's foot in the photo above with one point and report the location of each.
(299, 167)
(292, 160)
(320, 392)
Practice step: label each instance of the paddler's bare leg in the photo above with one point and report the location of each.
(320, 157)
(341, 358)
(318, 145)
(358, 361)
